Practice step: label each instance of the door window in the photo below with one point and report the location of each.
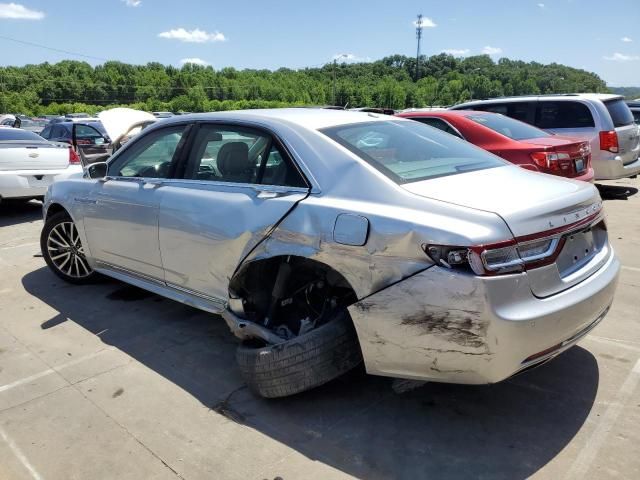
(517, 110)
(563, 115)
(439, 124)
(152, 156)
(240, 155)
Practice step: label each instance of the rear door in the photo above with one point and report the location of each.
(89, 143)
(623, 122)
(238, 184)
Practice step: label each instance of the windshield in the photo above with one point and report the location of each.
(408, 151)
(508, 127)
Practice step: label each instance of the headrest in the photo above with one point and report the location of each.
(233, 158)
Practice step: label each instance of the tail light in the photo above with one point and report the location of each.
(510, 256)
(609, 141)
(550, 160)
(74, 159)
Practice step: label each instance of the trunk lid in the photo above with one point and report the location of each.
(529, 202)
(579, 152)
(20, 155)
(535, 205)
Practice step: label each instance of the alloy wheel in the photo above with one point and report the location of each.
(66, 252)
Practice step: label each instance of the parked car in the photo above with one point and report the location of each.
(515, 141)
(34, 125)
(602, 119)
(324, 238)
(8, 120)
(117, 127)
(29, 164)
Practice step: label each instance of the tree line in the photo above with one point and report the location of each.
(73, 86)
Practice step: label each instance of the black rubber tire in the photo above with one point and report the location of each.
(51, 222)
(302, 363)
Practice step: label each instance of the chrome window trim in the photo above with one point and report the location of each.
(254, 186)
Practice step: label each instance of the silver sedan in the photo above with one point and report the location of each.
(327, 238)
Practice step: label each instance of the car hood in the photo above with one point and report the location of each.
(118, 122)
(529, 202)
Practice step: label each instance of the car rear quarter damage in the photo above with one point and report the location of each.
(456, 327)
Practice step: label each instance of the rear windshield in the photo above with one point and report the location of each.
(620, 113)
(16, 134)
(407, 151)
(508, 126)
(564, 114)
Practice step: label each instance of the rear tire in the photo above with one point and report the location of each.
(63, 251)
(304, 362)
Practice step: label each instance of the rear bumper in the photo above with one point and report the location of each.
(588, 176)
(448, 327)
(613, 168)
(32, 183)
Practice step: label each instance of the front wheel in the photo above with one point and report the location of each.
(63, 251)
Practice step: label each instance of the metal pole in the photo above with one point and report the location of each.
(418, 37)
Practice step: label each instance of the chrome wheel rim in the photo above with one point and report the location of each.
(66, 252)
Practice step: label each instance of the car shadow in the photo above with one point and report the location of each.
(13, 212)
(357, 424)
(616, 192)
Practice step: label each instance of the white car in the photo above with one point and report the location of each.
(29, 164)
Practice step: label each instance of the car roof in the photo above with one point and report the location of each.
(554, 97)
(445, 113)
(309, 118)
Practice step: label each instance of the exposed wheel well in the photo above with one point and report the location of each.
(53, 209)
(287, 293)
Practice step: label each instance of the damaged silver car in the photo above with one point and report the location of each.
(327, 238)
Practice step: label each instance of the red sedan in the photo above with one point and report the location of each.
(515, 141)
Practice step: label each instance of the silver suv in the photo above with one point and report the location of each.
(605, 120)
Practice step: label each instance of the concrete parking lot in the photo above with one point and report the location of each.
(109, 381)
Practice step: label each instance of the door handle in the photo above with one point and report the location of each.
(155, 182)
(267, 194)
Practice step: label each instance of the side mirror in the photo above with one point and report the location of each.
(97, 170)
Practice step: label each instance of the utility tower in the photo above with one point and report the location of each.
(418, 38)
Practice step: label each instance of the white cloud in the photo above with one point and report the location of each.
(195, 61)
(541, 5)
(626, 40)
(20, 12)
(457, 52)
(621, 57)
(489, 50)
(133, 3)
(426, 23)
(193, 36)
(349, 57)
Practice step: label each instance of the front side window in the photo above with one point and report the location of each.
(508, 126)
(563, 115)
(240, 155)
(410, 151)
(152, 156)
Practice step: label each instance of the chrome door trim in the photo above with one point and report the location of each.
(253, 186)
(162, 283)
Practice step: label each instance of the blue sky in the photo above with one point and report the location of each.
(599, 36)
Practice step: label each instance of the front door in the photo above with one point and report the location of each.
(121, 214)
(238, 184)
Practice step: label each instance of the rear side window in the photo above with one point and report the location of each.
(517, 110)
(620, 113)
(16, 134)
(636, 116)
(563, 115)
